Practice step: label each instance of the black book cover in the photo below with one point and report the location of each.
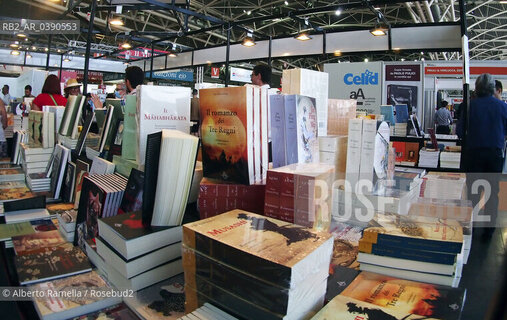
(69, 182)
(115, 146)
(153, 143)
(25, 204)
(84, 132)
(117, 115)
(91, 206)
(130, 225)
(133, 197)
(54, 262)
(339, 279)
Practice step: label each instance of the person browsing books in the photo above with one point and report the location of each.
(443, 118)
(6, 97)
(486, 133)
(51, 94)
(134, 76)
(261, 75)
(72, 88)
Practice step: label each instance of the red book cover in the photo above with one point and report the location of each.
(399, 149)
(273, 182)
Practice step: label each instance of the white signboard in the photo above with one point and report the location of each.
(359, 80)
(241, 75)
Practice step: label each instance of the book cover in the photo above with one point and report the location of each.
(84, 132)
(153, 144)
(388, 112)
(15, 229)
(15, 194)
(129, 145)
(401, 115)
(412, 152)
(339, 279)
(164, 300)
(161, 107)
(58, 169)
(54, 262)
(91, 206)
(265, 247)
(48, 306)
(58, 208)
(306, 129)
(69, 182)
(133, 197)
(278, 130)
(407, 297)
(422, 233)
(400, 151)
(346, 245)
(120, 311)
(82, 168)
(226, 131)
(402, 95)
(130, 226)
(37, 242)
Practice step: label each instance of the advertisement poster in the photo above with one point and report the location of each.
(403, 85)
(358, 80)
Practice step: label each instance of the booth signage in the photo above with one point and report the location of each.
(442, 70)
(360, 81)
(215, 72)
(179, 75)
(403, 72)
(241, 75)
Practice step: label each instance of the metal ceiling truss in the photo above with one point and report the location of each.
(203, 23)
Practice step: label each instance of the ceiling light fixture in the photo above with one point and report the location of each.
(378, 31)
(173, 55)
(15, 44)
(28, 56)
(338, 12)
(248, 41)
(34, 48)
(46, 49)
(337, 53)
(15, 52)
(303, 36)
(126, 45)
(286, 3)
(366, 60)
(116, 21)
(21, 35)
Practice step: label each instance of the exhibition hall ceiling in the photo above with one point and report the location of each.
(184, 25)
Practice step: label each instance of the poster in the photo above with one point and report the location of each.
(359, 80)
(403, 85)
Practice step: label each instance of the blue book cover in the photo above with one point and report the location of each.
(277, 113)
(401, 113)
(408, 253)
(388, 113)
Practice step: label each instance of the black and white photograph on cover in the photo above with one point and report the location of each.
(402, 94)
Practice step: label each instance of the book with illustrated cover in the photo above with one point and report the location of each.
(407, 297)
(164, 300)
(160, 107)
(346, 244)
(54, 262)
(12, 185)
(82, 168)
(15, 229)
(58, 208)
(120, 311)
(227, 133)
(84, 132)
(69, 182)
(65, 308)
(15, 194)
(302, 145)
(416, 232)
(133, 197)
(277, 109)
(339, 279)
(12, 174)
(271, 249)
(37, 242)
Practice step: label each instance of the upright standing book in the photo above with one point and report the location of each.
(160, 107)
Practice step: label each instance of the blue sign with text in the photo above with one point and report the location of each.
(187, 76)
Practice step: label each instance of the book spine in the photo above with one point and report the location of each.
(367, 149)
(404, 253)
(264, 133)
(354, 152)
(257, 135)
(412, 243)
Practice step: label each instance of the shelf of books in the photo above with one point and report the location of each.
(187, 227)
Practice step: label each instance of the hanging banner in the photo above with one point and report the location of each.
(178, 75)
(403, 85)
(360, 81)
(215, 72)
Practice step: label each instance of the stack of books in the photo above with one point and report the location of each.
(35, 159)
(444, 185)
(216, 198)
(450, 159)
(234, 133)
(41, 127)
(400, 129)
(255, 267)
(38, 182)
(17, 122)
(210, 312)
(14, 229)
(20, 136)
(428, 158)
(340, 111)
(401, 120)
(375, 296)
(67, 142)
(67, 224)
(293, 130)
(136, 257)
(415, 248)
(11, 174)
(300, 194)
(333, 151)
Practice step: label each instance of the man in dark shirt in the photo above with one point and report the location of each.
(485, 144)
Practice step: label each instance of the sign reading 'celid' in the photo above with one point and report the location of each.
(364, 78)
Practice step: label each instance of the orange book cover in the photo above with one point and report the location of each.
(412, 151)
(399, 149)
(406, 297)
(227, 139)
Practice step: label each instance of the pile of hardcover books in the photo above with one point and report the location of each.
(255, 267)
(414, 247)
(35, 159)
(133, 256)
(297, 193)
(450, 159)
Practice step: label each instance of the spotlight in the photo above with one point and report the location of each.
(248, 41)
(15, 52)
(378, 31)
(126, 45)
(303, 36)
(116, 21)
(338, 12)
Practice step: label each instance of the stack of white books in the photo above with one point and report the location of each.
(67, 142)
(450, 159)
(34, 160)
(400, 129)
(428, 158)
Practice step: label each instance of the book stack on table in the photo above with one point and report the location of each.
(255, 267)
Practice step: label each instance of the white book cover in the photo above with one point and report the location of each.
(354, 151)
(308, 143)
(264, 132)
(161, 107)
(101, 166)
